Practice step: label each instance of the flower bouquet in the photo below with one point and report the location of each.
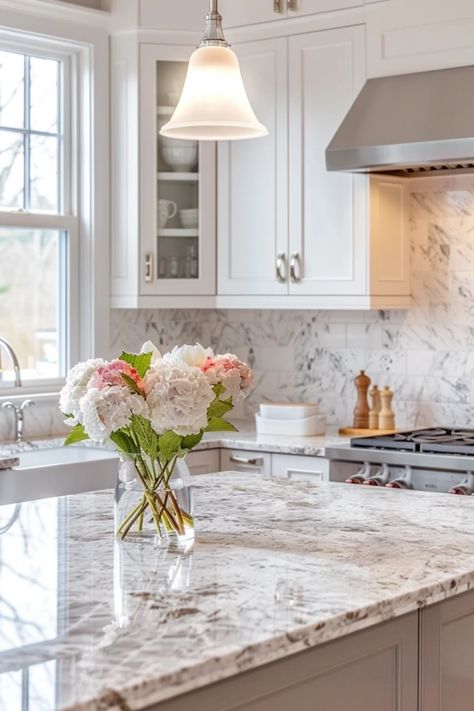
(154, 409)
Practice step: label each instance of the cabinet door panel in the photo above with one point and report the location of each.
(239, 460)
(252, 185)
(372, 670)
(311, 7)
(328, 212)
(238, 13)
(162, 71)
(206, 461)
(300, 468)
(447, 657)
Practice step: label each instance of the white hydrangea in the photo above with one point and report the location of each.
(178, 396)
(108, 410)
(194, 356)
(76, 387)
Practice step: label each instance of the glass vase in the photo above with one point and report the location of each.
(153, 500)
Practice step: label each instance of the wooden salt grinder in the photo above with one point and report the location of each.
(361, 410)
(375, 409)
(386, 416)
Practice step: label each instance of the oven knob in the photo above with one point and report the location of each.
(402, 482)
(360, 476)
(465, 488)
(380, 477)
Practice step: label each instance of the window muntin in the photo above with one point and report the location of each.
(31, 133)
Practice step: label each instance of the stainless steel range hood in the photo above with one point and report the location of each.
(409, 124)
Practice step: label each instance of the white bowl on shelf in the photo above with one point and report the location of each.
(304, 427)
(189, 218)
(288, 410)
(181, 156)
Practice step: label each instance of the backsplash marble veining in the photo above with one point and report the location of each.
(426, 354)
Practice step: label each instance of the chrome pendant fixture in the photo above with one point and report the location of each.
(213, 105)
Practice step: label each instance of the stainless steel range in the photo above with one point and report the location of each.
(438, 459)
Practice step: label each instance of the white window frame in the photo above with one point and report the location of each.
(85, 210)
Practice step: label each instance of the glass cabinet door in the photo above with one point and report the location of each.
(178, 218)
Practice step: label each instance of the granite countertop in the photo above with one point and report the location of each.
(275, 569)
(245, 438)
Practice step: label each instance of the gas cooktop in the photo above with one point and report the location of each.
(442, 440)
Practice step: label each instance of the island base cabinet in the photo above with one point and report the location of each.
(372, 670)
(447, 655)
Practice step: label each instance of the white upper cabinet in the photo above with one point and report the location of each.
(252, 184)
(238, 13)
(291, 234)
(327, 210)
(241, 13)
(311, 7)
(163, 190)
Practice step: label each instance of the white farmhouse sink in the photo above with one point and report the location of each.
(57, 471)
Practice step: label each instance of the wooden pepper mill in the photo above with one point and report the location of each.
(386, 416)
(361, 410)
(375, 409)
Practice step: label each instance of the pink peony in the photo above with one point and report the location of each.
(234, 374)
(110, 375)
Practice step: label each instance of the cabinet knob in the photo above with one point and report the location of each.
(295, 268)
(281, 274)
(148, 267)
(278, 6)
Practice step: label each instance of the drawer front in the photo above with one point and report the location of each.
(203, 462)
(240, 460)
(300, 468)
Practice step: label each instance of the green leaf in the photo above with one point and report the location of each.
(140, 361)
(145, 434)
(77, 434)
(218, 389)
(123, 442)
(218, 408)
(217, 424)
(132, 384)
(170, 445)
(191, 441)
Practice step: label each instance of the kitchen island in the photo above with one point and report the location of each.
(293, 596)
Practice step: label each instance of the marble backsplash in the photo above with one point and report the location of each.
(425, 354)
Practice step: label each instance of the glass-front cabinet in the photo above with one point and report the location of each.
(168, 249)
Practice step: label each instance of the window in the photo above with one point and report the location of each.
(37, 230)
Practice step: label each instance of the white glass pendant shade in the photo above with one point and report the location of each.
(213, 105)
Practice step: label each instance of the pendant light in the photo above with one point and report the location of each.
(213, 105)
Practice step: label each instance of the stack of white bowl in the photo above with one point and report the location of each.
(283, 418)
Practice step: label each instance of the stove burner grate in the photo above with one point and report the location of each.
(443, 440)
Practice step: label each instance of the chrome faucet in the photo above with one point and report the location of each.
(19, 417)
(16, 366)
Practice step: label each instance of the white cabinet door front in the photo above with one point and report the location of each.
(205, 461)
(311, 7)
(300, 468)
(238, 13)
(328, 211)
(252, 184)
(239, 460)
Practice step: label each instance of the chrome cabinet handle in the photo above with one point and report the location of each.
(295, 268)
(256, 462)
(292, 5)
(148, 267)
(278, 6)
(281, 274)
